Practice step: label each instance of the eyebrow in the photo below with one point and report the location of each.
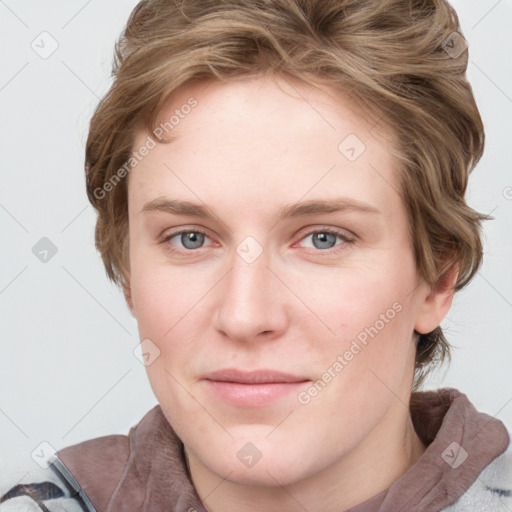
(300, 209)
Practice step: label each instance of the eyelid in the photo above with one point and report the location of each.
(311, 230)
(166, 237)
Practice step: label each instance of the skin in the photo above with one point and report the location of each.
(248, 148)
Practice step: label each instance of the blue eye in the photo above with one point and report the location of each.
(190, 240)
(325, 239)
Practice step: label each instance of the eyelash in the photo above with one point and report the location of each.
(337, 248)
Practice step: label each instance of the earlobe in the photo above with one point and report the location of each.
(437, 302)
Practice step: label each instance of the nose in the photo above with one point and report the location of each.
(251, 302)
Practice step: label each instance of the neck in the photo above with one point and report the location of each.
(389, 450)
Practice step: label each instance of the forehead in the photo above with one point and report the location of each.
(264, 138)
(275, 104)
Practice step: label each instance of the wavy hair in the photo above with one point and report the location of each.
(402, 61)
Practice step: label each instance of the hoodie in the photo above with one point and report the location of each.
(465, 468)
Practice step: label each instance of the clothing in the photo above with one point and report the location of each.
(465, 468)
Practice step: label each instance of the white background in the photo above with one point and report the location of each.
(68, 372)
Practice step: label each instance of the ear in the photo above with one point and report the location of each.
(127, 292)
(437, 302)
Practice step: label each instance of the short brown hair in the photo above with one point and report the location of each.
(403, 61)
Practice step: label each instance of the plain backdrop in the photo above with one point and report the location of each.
(67, 363)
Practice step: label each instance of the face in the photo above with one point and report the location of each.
(272, 273)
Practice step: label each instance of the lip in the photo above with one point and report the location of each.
(252, 388)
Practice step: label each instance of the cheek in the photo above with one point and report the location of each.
(361, 303)
(370, 314)
(167, 307)
(163, 295)
(170, 307)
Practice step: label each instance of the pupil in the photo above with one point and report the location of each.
(323, 239)
(191, 240)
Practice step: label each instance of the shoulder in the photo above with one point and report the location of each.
(94, 467)
(492, 490)
(98, 462)
(41, 490)
(85, 474)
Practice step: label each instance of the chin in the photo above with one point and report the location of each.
(266, 474)
(260, 464)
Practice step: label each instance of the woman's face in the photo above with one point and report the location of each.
(272, 278)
